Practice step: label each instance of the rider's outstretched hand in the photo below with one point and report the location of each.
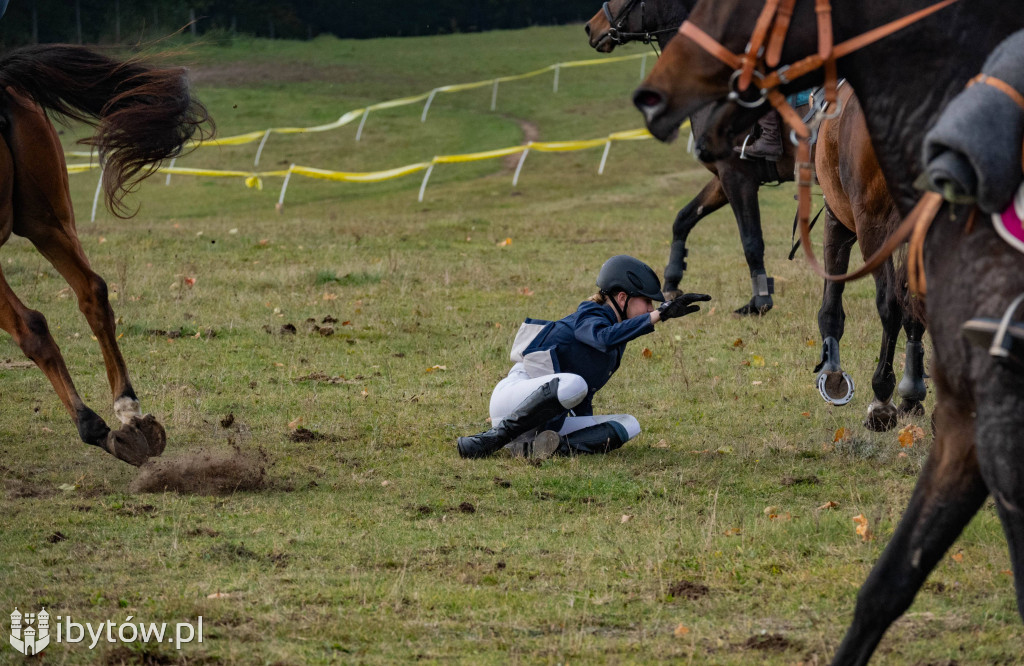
(681, 306)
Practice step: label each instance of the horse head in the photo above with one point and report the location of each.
(687, 77)
(621, 21)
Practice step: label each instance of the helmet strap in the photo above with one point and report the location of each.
(621, 312)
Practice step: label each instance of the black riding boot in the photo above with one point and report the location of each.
(769, 144)
(537, 409)
(600, 438)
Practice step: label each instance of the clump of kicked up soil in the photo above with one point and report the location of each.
(203, 473)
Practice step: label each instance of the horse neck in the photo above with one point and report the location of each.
(903, 99)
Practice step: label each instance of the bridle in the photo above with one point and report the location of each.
(617, 24)
(767, 48)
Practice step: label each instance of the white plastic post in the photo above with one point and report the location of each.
(96, 197)
(167, 181)
(689, 144)
(426, 177)
(259, 151)
(426, 107)
(494, 96)
(359, 132)
(519, 167)
(558, 68)
(643, 67)
(604, 157)
(284, 188)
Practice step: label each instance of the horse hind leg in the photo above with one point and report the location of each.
(834, 385)
(741, 185)
(882, 412)
(912, 388)
(948, 493)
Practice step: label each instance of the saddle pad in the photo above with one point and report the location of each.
(1010, 223)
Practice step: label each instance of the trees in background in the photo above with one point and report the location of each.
(132, 21)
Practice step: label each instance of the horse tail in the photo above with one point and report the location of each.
(142, 115)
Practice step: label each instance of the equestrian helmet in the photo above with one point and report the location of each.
(631, 276)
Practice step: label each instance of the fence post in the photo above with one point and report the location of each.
(604, 157)
(519, 167)
(558, 68)
(426, 107)
(284, 188)
(426, 177)
(259, 151)
(96, 197)
(167, 181)
(494, 96)
(359, 132)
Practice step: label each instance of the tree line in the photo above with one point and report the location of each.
(135, 21)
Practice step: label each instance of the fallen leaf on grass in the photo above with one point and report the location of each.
(863, 530)
(957, 557)
(525, 291)
(733, 531)
(505, 243)
(647, 353)
(840, 434)
(681, 631)
(910, 434)
(738, 342)
(437, 367)
(757, 361)
(292, 425)
(828, 505)
(625, 518)
(662, 444)
(218, 595)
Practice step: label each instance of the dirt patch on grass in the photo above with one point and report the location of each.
(686, 589)
(203, 473)
(771, 643)
(242, 74)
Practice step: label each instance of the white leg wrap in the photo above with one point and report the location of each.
(125, 408)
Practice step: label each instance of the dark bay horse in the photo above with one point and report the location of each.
(142, 115)
(971, 272)
(858, 209)
(735, 181)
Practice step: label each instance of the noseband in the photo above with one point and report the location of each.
(767, 49)
(617, 24)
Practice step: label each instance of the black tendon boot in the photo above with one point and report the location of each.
(600, 438)
(537, 409)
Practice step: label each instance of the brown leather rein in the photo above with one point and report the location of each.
(775, 17)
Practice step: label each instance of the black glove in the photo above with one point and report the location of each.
(681, 306)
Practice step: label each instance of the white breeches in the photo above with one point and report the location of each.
(572, 389)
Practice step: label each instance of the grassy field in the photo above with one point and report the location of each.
(704, 540)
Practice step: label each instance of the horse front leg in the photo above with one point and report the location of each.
(882, 412)
(834, 385)
(43, 213)
(711, 198)
(912, 388)
(741, 186)
(948, 493)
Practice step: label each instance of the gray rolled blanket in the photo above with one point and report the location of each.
(975, 147)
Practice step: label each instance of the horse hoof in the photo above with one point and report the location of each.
(128, 444)
(154, 433)
(911, 407)
(836, 388)
(751, 309)
(881, 417)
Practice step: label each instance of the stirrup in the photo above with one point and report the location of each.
(1003, 338)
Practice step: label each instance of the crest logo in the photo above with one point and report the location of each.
(30, 632)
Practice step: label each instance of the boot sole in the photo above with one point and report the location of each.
(542, 447)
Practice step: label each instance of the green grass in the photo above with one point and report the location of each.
(378, 544)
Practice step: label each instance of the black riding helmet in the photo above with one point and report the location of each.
(631, 276)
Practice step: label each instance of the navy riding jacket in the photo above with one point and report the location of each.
(589, 343)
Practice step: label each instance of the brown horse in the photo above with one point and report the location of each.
(858, 209)
(735, 181)
(142, 115)
(971, 272)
